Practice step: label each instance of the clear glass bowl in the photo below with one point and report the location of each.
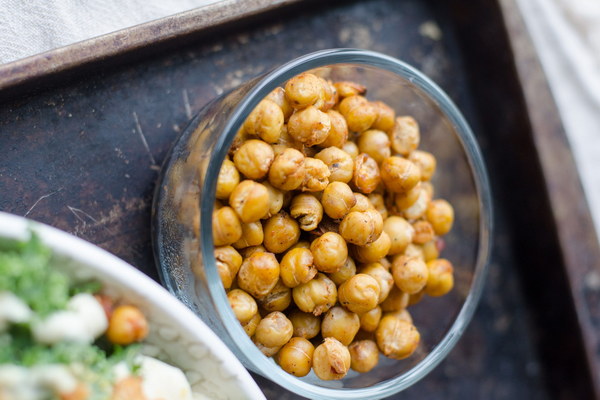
(182, 216)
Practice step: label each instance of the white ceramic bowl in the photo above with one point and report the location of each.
(177, 335)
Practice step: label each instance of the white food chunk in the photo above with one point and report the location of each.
(163, 381)
(12, 310)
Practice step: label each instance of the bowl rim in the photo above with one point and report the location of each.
(93, 257)
(263, 86)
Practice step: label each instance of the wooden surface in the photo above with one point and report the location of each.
(83, 155)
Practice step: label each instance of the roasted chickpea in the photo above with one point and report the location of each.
(364, 355)
(306, 325)
(362, 203)
(275, 329)
(338, 133)
(315, 296)
(307, 209)
(278, 97)
(428, 188)
(410, 274)
(329, 95)
(278, 299)
(397, 338)
(419, 207)
(275, 199)
(253, 159)
(309, 126)
(228, 263)
(331, 360)
(340, 324)
(425, 161)
(360, 114)
(375, 143)
(243, 305)
(258, 274)
(366, 173)
(359, 294)
(361, 228)
(385, 116)
(250, 326)
(374, 251)
(303, 90)
(340, 164)
(347, 88)
(265, 121)
(337, 200)
(127, 325)
(405, 136)
(413, 250)
(287, 171)
(266, 350)
(401, 233)
(226, 227)
(384, 279)
(378, 203)
(303, 244)
(248, 251)
(281, 232)
(295, 357)
(252, 235)
(423, 232)
(347, 271)
(402, 314)
(317, 175)
(440, 278)
(396, 300)
(329, 252)
(297, 267)
(351, 148)
(406, 199)
(250, 200)
(441, 216)
(370, 320)
(385, 263)
(228, 179)
(399, 175)
(430, 251)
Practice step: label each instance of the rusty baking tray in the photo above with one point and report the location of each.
(85, 128)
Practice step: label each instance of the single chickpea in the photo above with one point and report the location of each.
(340, 324)
(401, 233)
(375, 143)
(397, 338)
(413, 251)
(370, 320)
(281, 232)
(405, 136)
(317, 175)
(228, 179)
(384, 278)
(265, 121)
(275, 329)
(441, 216)
(338, 133)
(337, 200)
(306, 325)
(425, 162)
(254, 158)
(396, 300)
(302, 244)
(378, 203)
(428, 188)
(423, 232)
(419, 207)
(360, 114)
(340, 164)
(248, 251)
(258, 274)
(347, 271)
(303, 90)
(347, 88)
(374, 251)
(307, 210)
(406, 199)
(399, 175)
(385, 116)
(250, 326)
(366, 174)
(329, 252)
(275, 199)
(440, 279)
(410, 274)
(278, 97)
(127, 325)
(297, 267)
(359, 294)
(228, 262)
(364, 355)
(295, 357)
(331, 360)
(252, 235)
(309, 126)
(329, 96)
(315, 296)
(287, 171)
(266, 350)
(226, 226)
(361, 228)
(351, 148)
(430, 250)
(250, 200)
(362, 203)
(278, 299)
(243, 305)
(402, 314)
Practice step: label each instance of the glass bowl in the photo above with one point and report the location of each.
(183, 205)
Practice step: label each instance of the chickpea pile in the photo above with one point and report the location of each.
(326, 228)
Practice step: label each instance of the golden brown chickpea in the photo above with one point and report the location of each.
(375, 143)
(265, 121)
(315, 296)
(252, 235)
(254, 158)
(405, 200)
(267, 351)
(360, 114)
(347, 88)
(396, 300)
(275, 329)
(430, 251)
(258, 274)
(287, 171)
(362, 203)
(423, 232)
(126, 325)
(366, 174)
(413, 250)
(364, 355)
(359, 294)
(361, 228)
(250, 326)
(307, 209)
(228, 264)
(370, 320)
(351, 148)
(410, 274)
(385, 263)
(329, 252)
(378, 203)
(347, 271)
(309, 126)
(340, 164)
(397, 338)
(277, 96)
(317, 175)
(337, 200)
(425, 161)
(385, 117)
(228, 179)
(303, 244)
(329, 96)
(419, 207)
(331, 360)
(303, 90)
(243, 305)
(295, 357)
(340, 324)
(401, 233)
(275, 199)
(374, 251)
(441, 216)
(297, 267)
(428, 188)
(399, 175)
(338, 133)
(441, 279)
(278, 299)
(286, 140)
(226, 227)
(250, 200)
(281, 232)
(402, 314)
(405, 136)
(248, 251)
(382, 276)
(305, 325)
